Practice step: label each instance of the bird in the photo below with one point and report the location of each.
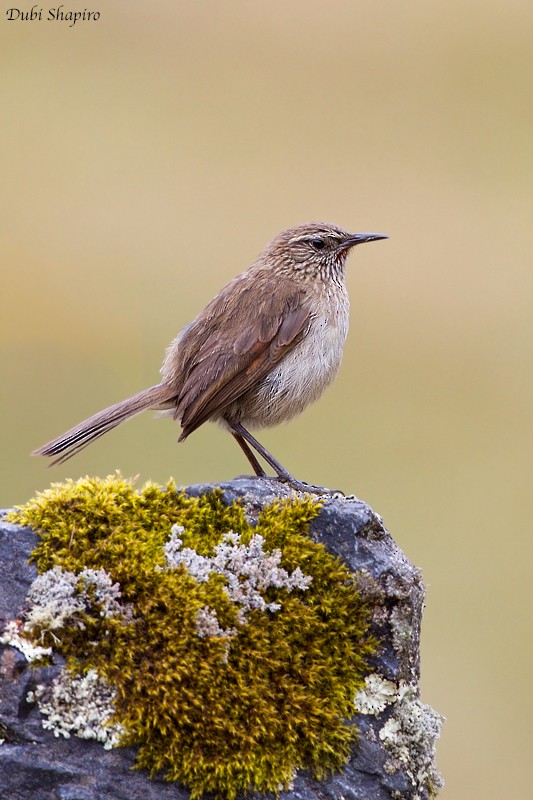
(259, 353)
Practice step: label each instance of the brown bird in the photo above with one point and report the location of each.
(262, 350)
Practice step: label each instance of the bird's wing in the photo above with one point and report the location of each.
(240, 336)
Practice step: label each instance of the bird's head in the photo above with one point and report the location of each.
(317, 249)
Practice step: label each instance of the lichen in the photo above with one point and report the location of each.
(376, 694)
(59, 597)
(248, 570)
(82, 705)
(232, 652)
(409, 734)
(402, 628)
(14, 635)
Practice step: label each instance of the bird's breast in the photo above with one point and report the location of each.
(302, 374)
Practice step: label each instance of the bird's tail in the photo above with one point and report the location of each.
(69, 443)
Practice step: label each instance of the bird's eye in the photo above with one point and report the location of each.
(318, 243)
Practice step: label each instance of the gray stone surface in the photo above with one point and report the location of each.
(394, 757)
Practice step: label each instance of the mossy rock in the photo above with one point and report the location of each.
(241, 705)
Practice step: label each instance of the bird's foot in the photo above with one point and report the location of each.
(308, 488)
(293, 483)
(302, 486)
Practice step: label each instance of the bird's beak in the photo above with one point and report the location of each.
(360, 238)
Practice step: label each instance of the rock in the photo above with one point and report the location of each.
(394, 756)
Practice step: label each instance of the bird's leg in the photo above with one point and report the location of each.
(249, 453)
(247, 441)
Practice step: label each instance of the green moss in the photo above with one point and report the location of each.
(220, 713)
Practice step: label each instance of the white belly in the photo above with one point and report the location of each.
(302, 375)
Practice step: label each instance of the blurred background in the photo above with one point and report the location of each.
(148, 157)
